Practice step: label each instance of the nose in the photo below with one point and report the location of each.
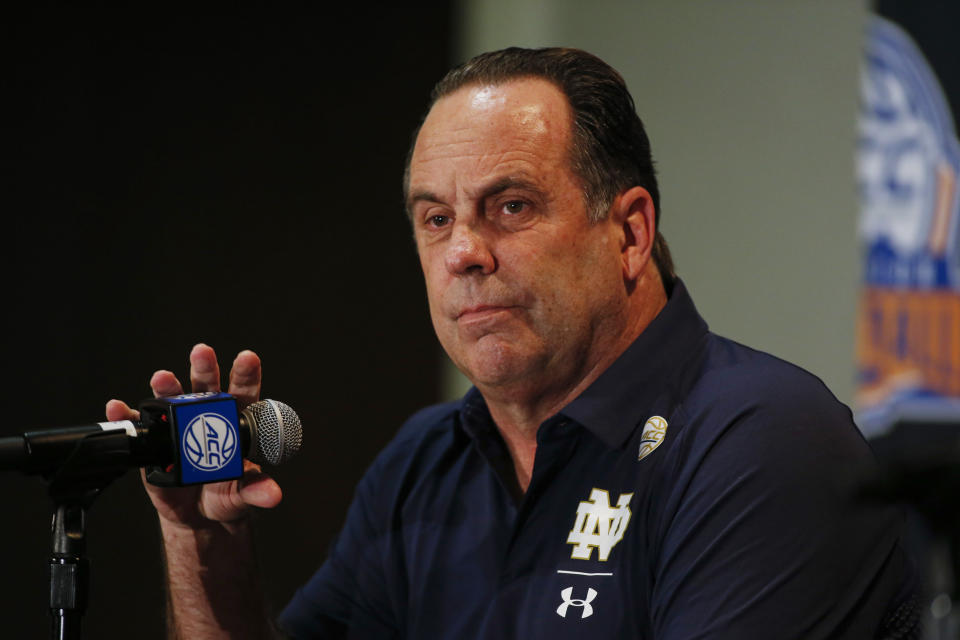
(469, 252)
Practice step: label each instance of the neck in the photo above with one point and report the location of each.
(518, 413)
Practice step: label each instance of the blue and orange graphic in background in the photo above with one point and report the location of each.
(908, 163)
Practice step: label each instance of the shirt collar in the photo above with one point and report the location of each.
(615, 404)
(621, 398)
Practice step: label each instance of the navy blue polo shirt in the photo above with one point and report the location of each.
(698, 489)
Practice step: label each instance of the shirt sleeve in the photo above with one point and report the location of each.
(762, 537)
(348, 597)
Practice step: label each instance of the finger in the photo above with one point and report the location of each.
(260, 490)
(164, 384)
(204, 370)
(245, 377)
(119, 410)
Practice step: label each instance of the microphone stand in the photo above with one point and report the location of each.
(96, 461)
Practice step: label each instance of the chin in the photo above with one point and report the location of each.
(501, 366)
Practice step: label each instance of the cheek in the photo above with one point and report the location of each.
(592, 276)
(437, 284)
(432, 273)
(435, 304)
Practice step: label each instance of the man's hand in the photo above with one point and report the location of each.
(211, 574)
(223, 502)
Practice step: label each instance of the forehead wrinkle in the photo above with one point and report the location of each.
(499, 168)
(527, 166)
(477, 142)
(498, 184)
(527, 126)
(487, 162)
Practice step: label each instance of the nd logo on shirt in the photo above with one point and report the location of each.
(598, 525)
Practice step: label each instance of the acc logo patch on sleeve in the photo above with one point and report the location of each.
(654, 431)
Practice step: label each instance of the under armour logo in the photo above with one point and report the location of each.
(599, 526)
(569, 601)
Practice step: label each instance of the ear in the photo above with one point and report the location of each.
(634, 215)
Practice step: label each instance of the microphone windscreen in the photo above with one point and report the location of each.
(276, 431)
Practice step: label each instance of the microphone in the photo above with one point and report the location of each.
(187, 439)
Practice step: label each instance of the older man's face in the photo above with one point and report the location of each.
(522, 288)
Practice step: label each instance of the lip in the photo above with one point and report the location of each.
(482, 312)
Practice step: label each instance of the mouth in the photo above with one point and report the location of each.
(482, 312)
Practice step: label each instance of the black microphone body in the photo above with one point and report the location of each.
(267, 431)
(43, 451)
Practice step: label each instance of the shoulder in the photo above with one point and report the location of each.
(426, 436)
(427, 429)
(752, 414)
(432, 418)
(760, 497)
(737, 382)
(353, 586)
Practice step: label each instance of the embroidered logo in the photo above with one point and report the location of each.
(570, 601)
(599, 526)
(654, 431)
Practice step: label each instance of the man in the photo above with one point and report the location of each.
(617, 471)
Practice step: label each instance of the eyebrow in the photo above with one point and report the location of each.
(509, 182)
(420, 196)
(494, 188)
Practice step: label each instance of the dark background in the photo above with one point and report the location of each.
(932, 26)
(228, 178)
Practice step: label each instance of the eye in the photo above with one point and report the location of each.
(437, 221)
(514, 206)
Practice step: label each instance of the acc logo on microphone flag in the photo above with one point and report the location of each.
(209, 440)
